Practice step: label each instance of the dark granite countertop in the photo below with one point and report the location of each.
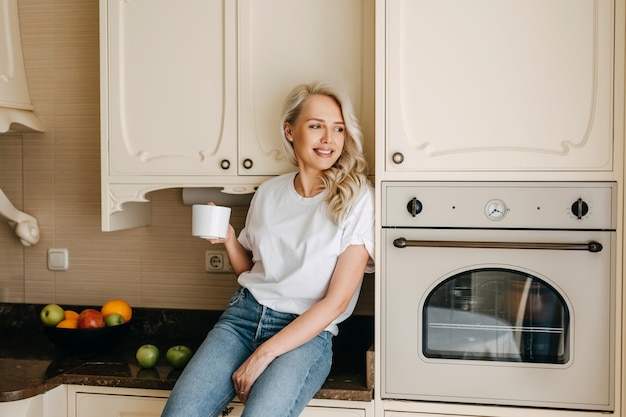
(30, 364)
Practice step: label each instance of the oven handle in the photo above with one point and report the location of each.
(591, 246)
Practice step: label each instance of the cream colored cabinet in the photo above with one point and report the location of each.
(29, 407)
(406, 414)
(52, 403)
(191, 89)
(85, 401)
(333, 412)
(103, 405)
(486, 85)
(447, 410)
(171, 85)
(128, 405)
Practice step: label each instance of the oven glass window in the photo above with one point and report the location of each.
(498, 315)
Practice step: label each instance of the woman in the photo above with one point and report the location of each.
(300, 259)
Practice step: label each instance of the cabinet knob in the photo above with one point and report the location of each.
(247, 163)
(397, 158)
(225, 164)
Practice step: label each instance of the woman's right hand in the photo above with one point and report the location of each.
(240, 259)
(230, 236)
(230, 233)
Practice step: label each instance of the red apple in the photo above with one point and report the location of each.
(90, 318)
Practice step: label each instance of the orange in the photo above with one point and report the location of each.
(71, 314)
(68, 324)
(120, 307)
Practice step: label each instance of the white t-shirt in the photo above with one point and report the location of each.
(295, 245)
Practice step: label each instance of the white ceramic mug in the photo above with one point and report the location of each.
(209, 222)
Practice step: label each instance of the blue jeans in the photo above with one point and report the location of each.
(205, 386)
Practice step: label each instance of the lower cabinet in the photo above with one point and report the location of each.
(29, 407)
(322, 411)
(408, 409)
(50, 404)
(405, 414)
(87, 401)
(113, 405)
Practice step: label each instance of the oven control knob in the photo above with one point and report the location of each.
(414, 207)
(580, 208)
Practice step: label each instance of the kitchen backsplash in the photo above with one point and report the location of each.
(55, 176)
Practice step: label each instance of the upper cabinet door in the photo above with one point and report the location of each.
(171, 87)
(191, 90)
(195, 87)
(284, 43)
(491, 85)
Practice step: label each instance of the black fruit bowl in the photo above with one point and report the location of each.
(88, 340)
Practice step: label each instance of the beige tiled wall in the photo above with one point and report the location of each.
(55, 176)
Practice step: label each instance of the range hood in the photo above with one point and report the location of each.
(16, 111)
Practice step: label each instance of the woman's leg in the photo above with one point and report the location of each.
(205, 386)
(291, 380)
(283, 390)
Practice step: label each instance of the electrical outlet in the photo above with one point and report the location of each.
(58, 259)
(216, 261)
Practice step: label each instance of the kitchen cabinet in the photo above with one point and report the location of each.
(55, 402)
(49, 404)
(131, 402)
(404, 414)
(489, 86)
(191, 90)
(396, 414)
(29, 407)
(462, 411)
(107, 405)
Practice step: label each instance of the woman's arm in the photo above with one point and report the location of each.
(346, 278)
(240, 259)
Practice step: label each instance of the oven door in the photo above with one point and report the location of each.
(491, 323)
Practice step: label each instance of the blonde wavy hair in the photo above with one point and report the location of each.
(346, 177)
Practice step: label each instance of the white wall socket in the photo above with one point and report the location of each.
(216, 262)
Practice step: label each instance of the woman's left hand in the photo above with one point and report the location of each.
(248, 372)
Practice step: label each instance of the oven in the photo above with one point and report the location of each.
(499, 293)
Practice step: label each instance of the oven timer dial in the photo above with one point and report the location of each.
(414, 206)
(495, 209)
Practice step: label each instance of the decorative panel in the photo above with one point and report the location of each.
(171, 85)
(499, 85)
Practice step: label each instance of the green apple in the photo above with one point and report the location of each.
(113, 319)
(51, 315)
(178, 356)
(147, 356)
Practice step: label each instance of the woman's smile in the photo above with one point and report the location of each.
(324, 152)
